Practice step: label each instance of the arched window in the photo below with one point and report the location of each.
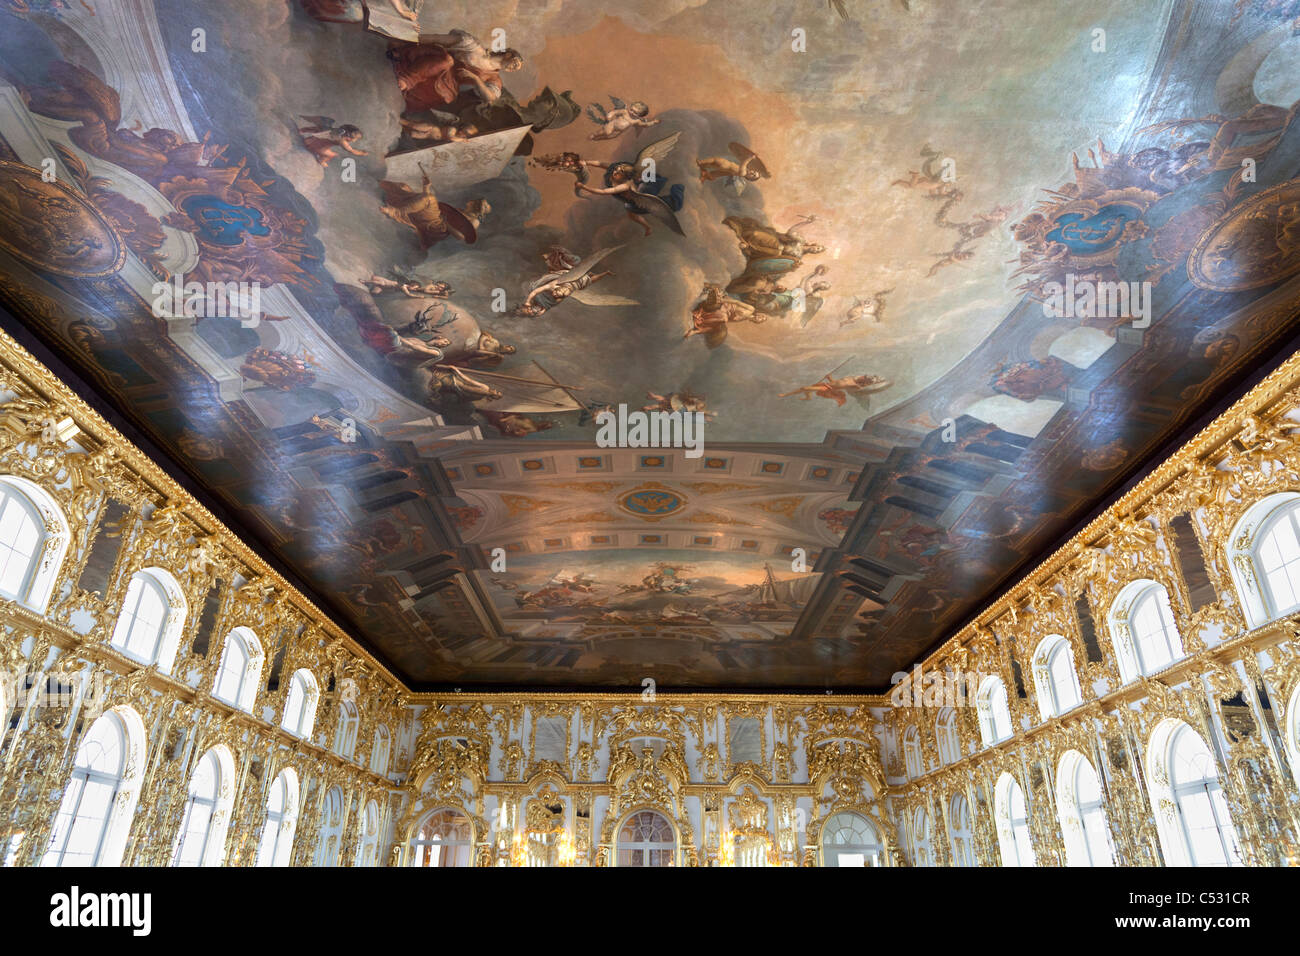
(202, 835)
(646, 839)
(331, 829)
(1082, 809)
(241, 669)
(379, 750)
(912, 752)
(153, 613)
(960, 834)
(921, 854)
(276, 842)
(850, 839)
(368, 853)
(1013, 823)
(1199, 830)
(945, 731)
(300, 704)
(444, 839)
(995, 717)
(1264, 558)
(1054, 677)
(1142, 627)
(34, 537)
(99, 800)
(345, 735)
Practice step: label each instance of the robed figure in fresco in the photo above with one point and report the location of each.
(433, 73)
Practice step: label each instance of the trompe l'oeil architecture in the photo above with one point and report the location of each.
(169, 699)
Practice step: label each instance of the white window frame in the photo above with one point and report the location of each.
(1130, 601)
(216, 806)
(961, 831)
(110, 844)
(163, 652)
(244, 695)
(380, 749)
(53, 537)
(275, 845)
(1014, 838)
(1081, 848)
(345, 734)
(645, 847)
(1051, 703)
(912, 760)
(300, 704)
(431, 852)
(994, 712)
(1245, 566)
(871, 852)
(947, 737)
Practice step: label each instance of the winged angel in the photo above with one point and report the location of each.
(636, 184)
(739, 172)
(571, 277)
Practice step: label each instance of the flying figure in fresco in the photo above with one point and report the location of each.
(683, 401)
(838, 390)
(408, 285)
(958, 253)
(758, 240)
(432, 220)
(570, 277)
(323, 138)
(862, 308)
(626, 182)
(930, 177)
(620, 119)
(744, 169)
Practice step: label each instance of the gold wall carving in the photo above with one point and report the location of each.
(818, 755)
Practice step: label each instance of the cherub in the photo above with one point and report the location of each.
(620, 119)
(686, 401)
(749, 169)
(956, 254)
(321, 136)
(874, 307)
(440, 126)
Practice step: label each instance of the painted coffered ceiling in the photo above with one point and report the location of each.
(862, 241)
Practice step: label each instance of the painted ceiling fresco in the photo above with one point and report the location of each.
(862, 239)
